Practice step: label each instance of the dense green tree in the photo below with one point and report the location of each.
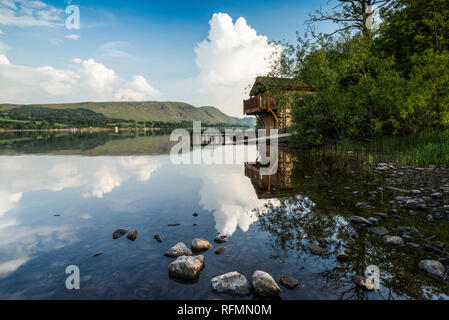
(361, 89)
(411, 27)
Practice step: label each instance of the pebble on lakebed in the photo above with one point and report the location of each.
(288, 282)
(220, 250)
(317, 250)
(232, 283)
(119, 233)
(343, 256)
(132, 235)
(221, 238)
(360, 221)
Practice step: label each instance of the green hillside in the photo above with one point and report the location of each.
(150, 111)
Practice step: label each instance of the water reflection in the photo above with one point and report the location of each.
(271, 220)
(277, 183)
(332, 186)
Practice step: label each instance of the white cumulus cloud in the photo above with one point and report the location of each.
(84, 80)
(4, 59)
(138, 89)
(229, 61)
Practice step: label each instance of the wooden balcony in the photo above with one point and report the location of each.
(260, 104)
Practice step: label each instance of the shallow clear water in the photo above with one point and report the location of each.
(98, 183)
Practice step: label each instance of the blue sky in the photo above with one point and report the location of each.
(141, 50)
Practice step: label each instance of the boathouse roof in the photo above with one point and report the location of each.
(264, 84)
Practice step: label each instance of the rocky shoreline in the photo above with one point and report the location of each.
(415, 192)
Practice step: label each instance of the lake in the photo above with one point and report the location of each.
(62, 195)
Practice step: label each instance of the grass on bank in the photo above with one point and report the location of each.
(428, 148)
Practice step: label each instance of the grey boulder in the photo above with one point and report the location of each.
(200, 244)
(186, 267)
(394, 241)
(432, 267)
(178, 250)
(264, 284)
(232, 283)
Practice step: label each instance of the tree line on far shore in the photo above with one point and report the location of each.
(42, 118)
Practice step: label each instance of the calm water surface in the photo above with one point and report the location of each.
(98, 183)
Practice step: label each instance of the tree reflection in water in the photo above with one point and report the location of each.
(324, 188)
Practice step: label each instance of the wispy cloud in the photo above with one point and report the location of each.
(26, 13)
(73, 36)
(115, 49)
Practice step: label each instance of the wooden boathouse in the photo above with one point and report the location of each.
(266, 104)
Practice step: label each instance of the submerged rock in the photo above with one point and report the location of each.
(220, 250)
(432, 267)
(179, 249)
(373, 220)
(354, 235)
(316, 249)
(413, 245)
(398, 190)
(132, 235)
(437, 195)
(221, 238)
(360, 221)
(362, 282)
(157, 238)
(119, 233)
(232, 283)
(200, 244)
(289, 283)
(186, 267)
(342, 256)
(264, 284)
(379, 231)
(394, 241)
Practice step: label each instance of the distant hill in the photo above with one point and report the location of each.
(149, 111)
(250, 121)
